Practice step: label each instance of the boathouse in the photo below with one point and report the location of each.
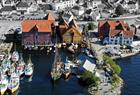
(70, 32)
(38, 32)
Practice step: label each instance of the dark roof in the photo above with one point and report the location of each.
(46, 7)
(22, 4)
(88, 11)
(7, 8)
(8, 2)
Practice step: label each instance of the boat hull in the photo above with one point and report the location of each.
(3, 90)
(14, 89)
(28, 74)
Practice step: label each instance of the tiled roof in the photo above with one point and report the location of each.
(42, 25)
(128, 34)
(114, 32)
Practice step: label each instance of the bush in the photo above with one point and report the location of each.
(115, 67)
(89, 78)
(91, 26)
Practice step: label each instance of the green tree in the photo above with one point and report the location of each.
(89, 78)
(91, 26)
(114, 66)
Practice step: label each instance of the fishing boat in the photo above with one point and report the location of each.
(3, 84)
(57, 70)
(71, 49)
(14, 82)
(20, 66)
(67, 71)
(29, 68)
(15, 56)
(89, 53)
(11, 70)
(2, 55)
(6, 63)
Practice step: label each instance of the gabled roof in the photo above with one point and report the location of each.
(7, 8)
(73, 23)
(49, 17)
(63, 21)
(72, 28)
(128, 34)
(8, 2)
(42, 25)
(22, 4)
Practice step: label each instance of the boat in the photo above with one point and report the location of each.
(29, 68)
(3, 84)
(2, 55)
(67, 71)
(20, 66)
(6, 63)
(71, 49)
(15, 56)
(57, 70)
(89, 53)
(11, 70)
(14, 82)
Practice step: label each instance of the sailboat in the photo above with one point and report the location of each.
(20, 66)
(57, 70)
(3, 83)
(67, 71)
(29, 68)
(6, 63)
(11, 70)
(14, 82)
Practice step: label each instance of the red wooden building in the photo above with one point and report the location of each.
(37, 32)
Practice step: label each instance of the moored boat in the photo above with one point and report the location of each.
(29, 68)
(14, 83)
(20, 66)
(67, 71)
(3, 84)
(15, 56)
(57, 70)
(71, 49)
(6, 63)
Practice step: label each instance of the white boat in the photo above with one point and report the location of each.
(11, 70)
(29, 68)
(20, 66)
(15, 56)
(1, 57)
(6, 63)
(3, 84)
(71, 49)
(14, 82)
(88, 53)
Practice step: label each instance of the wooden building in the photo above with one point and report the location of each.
(70, 33)
(38, 32)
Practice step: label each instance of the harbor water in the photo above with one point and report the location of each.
(41, 83)
(131, 75)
